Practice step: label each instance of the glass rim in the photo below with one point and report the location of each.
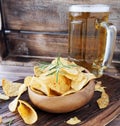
(89, 8)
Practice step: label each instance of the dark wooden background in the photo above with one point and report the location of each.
(38, 29)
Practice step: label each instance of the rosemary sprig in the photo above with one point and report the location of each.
(43, 65)
(55, 68)
(10, 122)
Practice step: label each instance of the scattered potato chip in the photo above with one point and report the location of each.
(9, 88)
(103, 101)
(13, 105)
(27, 113)
(4, 97)
(0, 119)
(99, 87)
(70, 73)
(73, 121)
(22, 89)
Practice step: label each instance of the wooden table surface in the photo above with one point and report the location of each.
(90, 114)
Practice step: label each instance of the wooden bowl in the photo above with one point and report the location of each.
(62, 104)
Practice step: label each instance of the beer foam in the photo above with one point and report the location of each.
(89, 8)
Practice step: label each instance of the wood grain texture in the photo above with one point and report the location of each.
(89, 114)
(40, 45)
(116, 56)
(3, 49)
(47, 15)
(49, 18)
(37, 45)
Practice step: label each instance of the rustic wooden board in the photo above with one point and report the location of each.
(43, 45)
(37, 44)
(47, 15)
(90, 114)
(3, 49)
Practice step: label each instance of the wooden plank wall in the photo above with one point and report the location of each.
(39, 28)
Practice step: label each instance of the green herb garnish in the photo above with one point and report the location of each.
(55, 68)
(43, 65)
(10, 122)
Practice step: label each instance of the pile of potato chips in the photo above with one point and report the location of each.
(25, 110)
(60, 77)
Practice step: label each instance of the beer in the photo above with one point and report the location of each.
(87, 37)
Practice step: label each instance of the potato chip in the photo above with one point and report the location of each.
(40, 84)
(36, 91)
(53, 93)
(9, 88)
(27, 113)
(37, 71)
(68, 69)
(82, 80)
(13, 105)
(73, 121)
(62, 60)
(61, 86)
(103, 101)
(4, 97)
(70, 73)
(99, 87)
(0, 119)
(27, 80)
(69, 92)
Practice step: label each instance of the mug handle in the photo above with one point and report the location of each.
(110, 42)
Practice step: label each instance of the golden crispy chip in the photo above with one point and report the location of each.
(79, 82)
(70, 73)
(36, 91)
(103, 101)
(9, 88)
(69, 92)
(99, 87)
(73, 121)
(82, 80)
(27, 113)
(0, 119)
(4, 97)
(69, 69)
(37, 71)
(13, 105)
(62, 60)
(60, 86)
(27, 80)
(40, 84)
(53, 93)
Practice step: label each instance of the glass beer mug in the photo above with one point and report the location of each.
(91, 37)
